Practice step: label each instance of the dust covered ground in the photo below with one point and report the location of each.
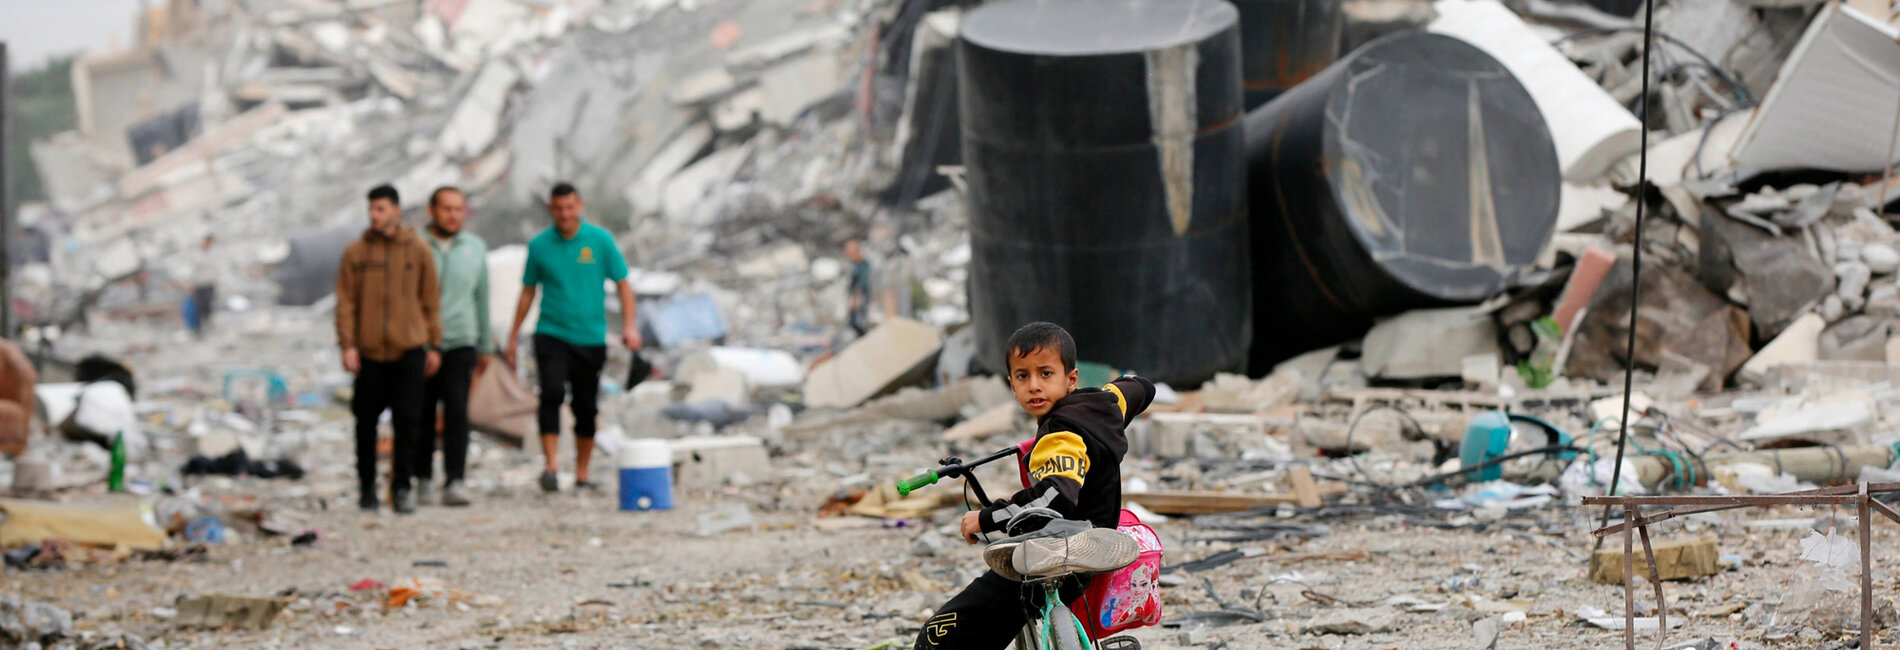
(568, 570)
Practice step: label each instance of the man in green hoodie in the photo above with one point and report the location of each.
(461, 265)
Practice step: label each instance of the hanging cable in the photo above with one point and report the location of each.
(1636, 264)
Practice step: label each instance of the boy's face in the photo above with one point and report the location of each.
(1039, 380)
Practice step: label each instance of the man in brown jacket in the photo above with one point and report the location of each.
(388, 326)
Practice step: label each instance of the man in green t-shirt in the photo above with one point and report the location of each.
(569, 265)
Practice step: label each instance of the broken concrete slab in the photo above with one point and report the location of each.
(1856, 338)
(796, 85)
(704, 86)
(1429, 343)
(1781, 279)
(706, 462)
(686, 200)
(648, 191)
(787, 44)
(1835, 420)
(1683, 318)
(739, 111)
(1800, 343)
(718, 384)
(888, 356)
(476, 121)
(996, 420)
(1676, 559)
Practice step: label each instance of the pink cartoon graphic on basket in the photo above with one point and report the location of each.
(1126, 606)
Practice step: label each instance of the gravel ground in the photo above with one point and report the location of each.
(567, 570)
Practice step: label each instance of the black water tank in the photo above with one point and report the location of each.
(1104, 154)
(1415, 172)
(1285, 42)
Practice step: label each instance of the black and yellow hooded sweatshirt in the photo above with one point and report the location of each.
(1075, 467)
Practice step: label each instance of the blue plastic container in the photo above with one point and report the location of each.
(646, 475)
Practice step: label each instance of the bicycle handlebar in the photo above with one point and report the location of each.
(953, 468)
(906, 486)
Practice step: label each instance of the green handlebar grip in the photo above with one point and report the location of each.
(909, 485)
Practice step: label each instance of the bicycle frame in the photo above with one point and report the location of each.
(1043, 631)
(1051, 599)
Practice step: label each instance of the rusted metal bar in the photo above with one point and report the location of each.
(1655, 578)
(1866, 571)
(1629, 580)
(1884, 510)
(1743, 501)
(1691, 504)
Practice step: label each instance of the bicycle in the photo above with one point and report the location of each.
(1056, 627)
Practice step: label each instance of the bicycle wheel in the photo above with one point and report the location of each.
(1027, 638)
(1065, 631)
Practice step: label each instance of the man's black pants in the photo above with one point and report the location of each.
(447, 390)
(987, 614)
(563, 365)
(395, 386)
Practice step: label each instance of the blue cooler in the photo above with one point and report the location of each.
(646, 475)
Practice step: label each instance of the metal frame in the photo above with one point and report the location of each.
(1635, 523)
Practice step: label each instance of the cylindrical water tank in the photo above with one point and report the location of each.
(1103, 150)
(1285, 42)
(1415, 172)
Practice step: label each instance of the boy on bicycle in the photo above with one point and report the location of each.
(1074, 469)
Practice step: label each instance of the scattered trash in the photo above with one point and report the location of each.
(725, 518)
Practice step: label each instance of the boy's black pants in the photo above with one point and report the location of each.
(988, 614)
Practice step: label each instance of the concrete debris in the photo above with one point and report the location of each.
(732, 151)
(1427, 344)
(884, 359)
(1799, 343)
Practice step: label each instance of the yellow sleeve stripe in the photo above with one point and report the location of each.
(1061, 453)
(1120, 399)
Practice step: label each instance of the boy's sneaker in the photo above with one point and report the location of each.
(550, 482)
(425, 493)
(368, 502)
(999, 554)
(1096, 550)
(588, 487)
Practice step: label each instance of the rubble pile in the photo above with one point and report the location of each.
(1399, 476)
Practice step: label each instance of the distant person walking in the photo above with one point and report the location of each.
(461, 264)
(197, 275)
(389, 329)
(860, 289)
(569, 265)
